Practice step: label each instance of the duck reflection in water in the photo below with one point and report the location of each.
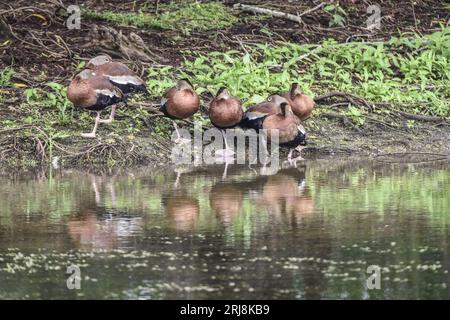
(108, 183)
(225, 200)
(280, 192)
(286, 193)
(96, 226)
(93, 230)
(283, 192)
(181, 210)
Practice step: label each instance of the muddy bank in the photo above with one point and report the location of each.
(329, 135)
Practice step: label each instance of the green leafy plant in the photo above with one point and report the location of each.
(410, 124)
(5, 77)
(32, 94)
(56, 98)
(79, 66)
(337, 15)
(159, 80)
(415, 75)
(356, 115)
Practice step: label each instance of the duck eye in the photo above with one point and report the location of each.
(269, 99)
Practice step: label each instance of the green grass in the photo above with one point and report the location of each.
(412, 72)
(337, 14)
(199, 16)
(5, 81)
(55, 97)
(5, 77)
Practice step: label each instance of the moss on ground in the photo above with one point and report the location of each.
(188, 17)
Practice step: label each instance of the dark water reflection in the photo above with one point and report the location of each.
(299, 233)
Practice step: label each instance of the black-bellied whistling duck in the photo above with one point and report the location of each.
(120, 76)
(291, 132)
(180, 102)
(302, 104)
(89, 91)
(279, 113)
(225, 112)
(118, 73)
(255, 115)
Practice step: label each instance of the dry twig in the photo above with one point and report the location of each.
(275, 13)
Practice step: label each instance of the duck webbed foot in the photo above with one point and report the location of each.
(92, 134)
(111, 116)
(227, 154)
(291, 159)
(88, 135)
(179, 139)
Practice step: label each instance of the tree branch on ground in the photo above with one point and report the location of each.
(275, 13)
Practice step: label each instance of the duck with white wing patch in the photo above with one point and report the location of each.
(92, 92)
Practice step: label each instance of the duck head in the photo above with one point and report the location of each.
(184, 84)
(302, 103)
(295, 91)
(285, 108)
(223, 93)
(98, 61)
(85, 74)
(277, 99)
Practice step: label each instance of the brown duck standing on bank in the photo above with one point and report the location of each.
(120, 76)
(302, 104)
(180, 102)
(89, 91)
(225, 112)
(276, 113)
(255, 115)
(291, 132)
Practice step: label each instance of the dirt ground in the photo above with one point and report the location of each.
(43, 49)
(47, 31)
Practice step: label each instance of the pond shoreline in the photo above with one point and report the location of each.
(327, 137)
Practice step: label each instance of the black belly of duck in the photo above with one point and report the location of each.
(163, 109)
(104, 101)
(299, 140)
(255, 124)
(227, 127)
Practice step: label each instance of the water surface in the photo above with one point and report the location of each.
(300, 233)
